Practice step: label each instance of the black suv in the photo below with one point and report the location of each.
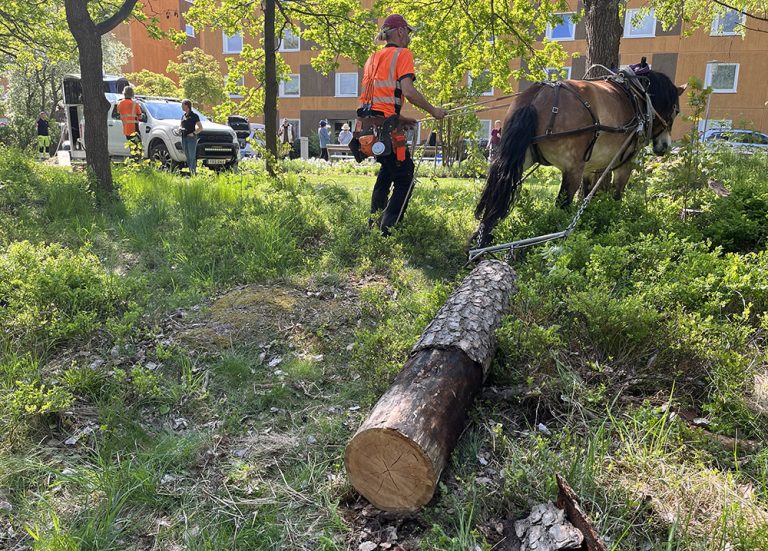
(241, 127)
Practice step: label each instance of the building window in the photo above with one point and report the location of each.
(346, 85)
(291, 88)
(637, 26)
(562, 31)
(190, 30)
(290, 42)
(486, 77)
(237, 86)
(722, 77)
(485, 130)
(553, 73)
(232, 44)
(728, 24)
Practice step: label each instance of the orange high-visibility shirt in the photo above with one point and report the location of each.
(130, 114)
(381, 79)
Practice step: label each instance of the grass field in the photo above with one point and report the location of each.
(182, 365)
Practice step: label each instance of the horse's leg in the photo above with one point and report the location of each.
(572, 180)
(620, 178)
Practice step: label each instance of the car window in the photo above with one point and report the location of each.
(168, 110)
(761, 138)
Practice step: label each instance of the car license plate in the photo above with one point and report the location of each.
(216, 161)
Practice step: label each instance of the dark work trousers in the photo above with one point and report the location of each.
(392, 175)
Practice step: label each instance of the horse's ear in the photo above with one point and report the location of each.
(681, 89)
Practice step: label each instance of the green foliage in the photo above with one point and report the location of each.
(51, 294)
(147, 83)
(200, 77)
(637, 305)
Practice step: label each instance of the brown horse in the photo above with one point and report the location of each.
(583, 125)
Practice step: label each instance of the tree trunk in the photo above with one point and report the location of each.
(95, 105)
(270, 83)
(87, 34)
(604, 30)
(396, 456)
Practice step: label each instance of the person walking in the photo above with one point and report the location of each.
(345, 136)
(388, 79)
(43, 136)
(130, 115)
(190, 129)
(494, 142)
(325, 138)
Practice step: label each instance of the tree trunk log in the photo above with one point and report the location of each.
(603, 29)
(396, 456)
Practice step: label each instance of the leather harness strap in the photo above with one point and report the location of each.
(596, 127)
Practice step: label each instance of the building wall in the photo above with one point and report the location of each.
(668, 51)
(149, 53)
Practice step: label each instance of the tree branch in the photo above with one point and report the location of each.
(119, 16)
(750, 15)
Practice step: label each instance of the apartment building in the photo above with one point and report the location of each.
(735, 66)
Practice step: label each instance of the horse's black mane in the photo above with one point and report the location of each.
(663, 91)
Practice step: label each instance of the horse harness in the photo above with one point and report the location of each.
(642, 120)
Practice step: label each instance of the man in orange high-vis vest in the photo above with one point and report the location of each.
(387, 82)
(130, 115)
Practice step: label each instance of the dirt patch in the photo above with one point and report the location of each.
(256, 315)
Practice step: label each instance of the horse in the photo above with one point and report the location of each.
(585, 125)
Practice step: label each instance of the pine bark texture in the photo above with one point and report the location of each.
(396, 456)
(604, 29)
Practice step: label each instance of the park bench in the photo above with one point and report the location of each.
(428, 153)
(339, 152)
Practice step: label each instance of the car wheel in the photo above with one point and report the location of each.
(160, 153)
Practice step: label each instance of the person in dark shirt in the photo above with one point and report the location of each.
(43, 136)
(190, 128)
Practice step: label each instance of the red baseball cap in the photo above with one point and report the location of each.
(395, 21)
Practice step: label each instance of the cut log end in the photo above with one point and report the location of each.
(390, 470)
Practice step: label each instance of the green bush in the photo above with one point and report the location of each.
(51, 294)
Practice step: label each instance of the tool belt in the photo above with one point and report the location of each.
(380, 137)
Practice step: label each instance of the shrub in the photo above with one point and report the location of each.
(51, 294)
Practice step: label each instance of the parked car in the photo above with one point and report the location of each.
(256, 134)
(217, 148)
(740, 139)
(241, 127)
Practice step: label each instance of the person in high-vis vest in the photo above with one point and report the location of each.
(387, 82)
(130, 115)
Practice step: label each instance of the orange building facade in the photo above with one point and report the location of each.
(733, 65)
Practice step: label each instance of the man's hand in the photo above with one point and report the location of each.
(439, 113)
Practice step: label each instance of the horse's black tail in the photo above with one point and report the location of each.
(506, 171)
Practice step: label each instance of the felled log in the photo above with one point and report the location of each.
(396, 456)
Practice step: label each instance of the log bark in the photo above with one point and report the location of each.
(396, 457)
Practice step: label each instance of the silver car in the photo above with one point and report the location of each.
(747, 141)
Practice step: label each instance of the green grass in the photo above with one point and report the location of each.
(214, 343)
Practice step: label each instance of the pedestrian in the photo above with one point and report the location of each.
(325, 138)
(494, 142)
(285, 136)
(190, 129)
(43, 136)
(130, 115)
(384, 96)
(345, 136)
